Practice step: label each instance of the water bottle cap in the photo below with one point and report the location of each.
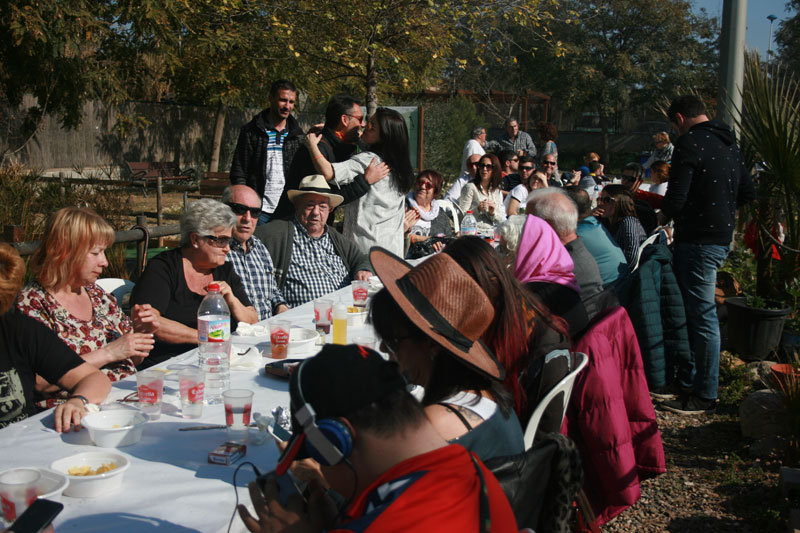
(213, 287)
(469, 212)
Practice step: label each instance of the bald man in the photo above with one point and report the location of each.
(250, 258)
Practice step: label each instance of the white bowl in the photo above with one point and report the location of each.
(115, 428)
(300, 339)
(357, 319)
(51, 484)
(97, 485)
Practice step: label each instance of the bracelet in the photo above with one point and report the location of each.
(81, 398)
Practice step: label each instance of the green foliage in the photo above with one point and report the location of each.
(788, 37)
(447, 127)
(770, 135)
(734, 382)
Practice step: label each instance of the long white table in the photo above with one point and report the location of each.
(170, 486)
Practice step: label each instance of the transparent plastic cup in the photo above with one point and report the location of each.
(18, 491)
(322, 317)
(238, 406)
(279, 337)
(360, 292)
(150, 389)
(192, 385)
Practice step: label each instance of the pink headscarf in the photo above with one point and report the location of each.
(542, 257)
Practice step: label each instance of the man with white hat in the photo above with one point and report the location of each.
(312, 259)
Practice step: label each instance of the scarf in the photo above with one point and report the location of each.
(542, 257)
(426, 216)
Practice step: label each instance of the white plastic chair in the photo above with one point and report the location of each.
(119, 288)
(452, 212)
(578, 361)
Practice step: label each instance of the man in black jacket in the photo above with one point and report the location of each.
(707, 182)
(266, 147)
(344, 119)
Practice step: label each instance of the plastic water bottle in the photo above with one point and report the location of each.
(214, 342)
(469, 226)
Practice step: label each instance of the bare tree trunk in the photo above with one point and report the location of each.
(216, 145)
(604, 151)
(372, 86)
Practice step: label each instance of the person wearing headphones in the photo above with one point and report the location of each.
(352, 413)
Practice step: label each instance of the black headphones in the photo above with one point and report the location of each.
(328, 441)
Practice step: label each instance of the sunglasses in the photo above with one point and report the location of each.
(241, 209)
(549, 163)
(218, 242)
(472, 163)
(527, 169)
(424, 185)
(485, 165)
(607, 200)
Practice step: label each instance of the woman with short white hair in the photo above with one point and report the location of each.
(176, 281)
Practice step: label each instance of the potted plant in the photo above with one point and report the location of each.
(769, 131)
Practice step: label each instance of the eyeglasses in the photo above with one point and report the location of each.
(424, 185)
(607, 200)
(515, 160)
(241, 209)
(484, 165)
(526, 169)
(218, 242)
(359, 118)
(549, 163)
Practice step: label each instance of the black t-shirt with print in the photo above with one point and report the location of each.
(27, 348)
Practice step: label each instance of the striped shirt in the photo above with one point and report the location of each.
(255, 269)
(273, 187)
(315, 268)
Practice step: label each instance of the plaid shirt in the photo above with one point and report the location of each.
(274, 169)
(255, 269)
(315, 268)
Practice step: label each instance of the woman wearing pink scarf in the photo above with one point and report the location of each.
(545, 267)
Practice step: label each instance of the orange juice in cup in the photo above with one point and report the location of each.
(279, 338)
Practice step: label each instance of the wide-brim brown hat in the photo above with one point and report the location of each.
(316, 184)
(443, 301)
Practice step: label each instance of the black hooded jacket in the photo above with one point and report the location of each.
(708, 180)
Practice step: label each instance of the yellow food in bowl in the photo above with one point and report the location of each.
(354, 309)
(87, 470)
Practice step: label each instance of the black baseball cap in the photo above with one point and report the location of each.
(339, 380)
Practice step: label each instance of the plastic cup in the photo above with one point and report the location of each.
(150, 388)
(365, 340)
(18, 491)
(238, 406)
(279, 338)
(322, 316)
(192, 385)
(360, 292)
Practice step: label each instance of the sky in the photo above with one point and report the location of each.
(757, 24)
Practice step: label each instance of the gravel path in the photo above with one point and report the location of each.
(711, 484)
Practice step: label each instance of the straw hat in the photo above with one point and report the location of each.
(442, 300)
(315, 184)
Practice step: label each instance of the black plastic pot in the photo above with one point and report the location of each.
(753, 333)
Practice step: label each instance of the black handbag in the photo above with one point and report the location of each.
(542, 483)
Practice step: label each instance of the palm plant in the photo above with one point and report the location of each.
(769, 131)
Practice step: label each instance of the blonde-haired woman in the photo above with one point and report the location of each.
(663, 151)
(64, 297)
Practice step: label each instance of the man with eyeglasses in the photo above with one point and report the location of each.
(250, 258)
(550, 168)
(266, 146)
(453, 194)
(311, 258)
(344, 120)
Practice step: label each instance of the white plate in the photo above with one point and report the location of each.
(302, 344)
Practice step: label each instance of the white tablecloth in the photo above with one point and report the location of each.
(170, 486)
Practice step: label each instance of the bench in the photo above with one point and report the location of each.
(211, 186)
(147, 172)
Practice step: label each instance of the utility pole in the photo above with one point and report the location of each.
(731, 71)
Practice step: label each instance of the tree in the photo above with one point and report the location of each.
(624, 53)
(48, 48)
(788, 37)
